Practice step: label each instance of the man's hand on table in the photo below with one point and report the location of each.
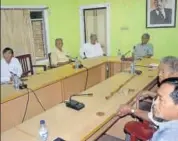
(124, 110)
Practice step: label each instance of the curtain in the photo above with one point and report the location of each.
(16, 32)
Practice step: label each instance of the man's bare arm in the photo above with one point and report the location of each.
(141, 114)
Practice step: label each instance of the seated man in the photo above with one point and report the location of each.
(58, 56)
(165, 110)
(168, 68)
(9, 65)
(144, 49)
(92, 49)
(171, 71)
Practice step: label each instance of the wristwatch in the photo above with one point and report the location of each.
(132, 111)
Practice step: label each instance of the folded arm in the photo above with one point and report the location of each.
(141, 114)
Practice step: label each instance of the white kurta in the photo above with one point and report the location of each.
(91, 50)
(14, 66)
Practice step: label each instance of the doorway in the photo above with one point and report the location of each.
(95, 19)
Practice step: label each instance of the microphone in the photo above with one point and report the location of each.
(77, 64)
(85, 57)
(21, 84)
(89, 94)
(127, 53)
(126, 59)
(75, 104)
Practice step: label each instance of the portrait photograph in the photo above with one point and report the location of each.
(160, 13)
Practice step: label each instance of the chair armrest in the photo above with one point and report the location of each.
(40, 66)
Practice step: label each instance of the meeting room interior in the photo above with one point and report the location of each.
(89, 70)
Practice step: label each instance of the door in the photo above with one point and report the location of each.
(95, 21)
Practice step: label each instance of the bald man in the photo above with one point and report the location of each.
(58, 56)
(91, 49)
(144, 49)
(161, 14)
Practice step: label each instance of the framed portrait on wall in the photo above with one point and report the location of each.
(161, 13)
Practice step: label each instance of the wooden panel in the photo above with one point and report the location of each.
(12, 111)
(114, 68)
(117, 67)
(77, 83)
(74, 84)
(96, 75)
(50, 95)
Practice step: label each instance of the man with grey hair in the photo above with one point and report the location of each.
(58, 55)
(144, 49)
(91, 49)
(165, 110)
(167, 69)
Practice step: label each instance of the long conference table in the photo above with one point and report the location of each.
(104, 76)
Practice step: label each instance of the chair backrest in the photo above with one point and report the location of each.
(49, 57)
(26, 63)
(139, 130)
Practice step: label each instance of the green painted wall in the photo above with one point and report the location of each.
(64, 22)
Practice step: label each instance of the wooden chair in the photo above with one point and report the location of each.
(27, 66)
(139, 130)
(50, 62)
(55, 66)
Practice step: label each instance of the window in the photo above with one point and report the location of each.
(39, 34)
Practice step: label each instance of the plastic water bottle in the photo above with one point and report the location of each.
(132, 68)
(16, 81)
(76, 63)
(43, 131)
(119, 54)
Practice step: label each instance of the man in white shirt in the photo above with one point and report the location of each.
(92, 49)
(9, 64)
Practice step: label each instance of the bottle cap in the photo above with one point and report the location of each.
(42, 121)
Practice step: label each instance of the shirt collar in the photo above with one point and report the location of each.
(10, 60)
(169, 124)
(162, 11)
(56, 49)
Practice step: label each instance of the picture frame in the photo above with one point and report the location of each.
(161, 13)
